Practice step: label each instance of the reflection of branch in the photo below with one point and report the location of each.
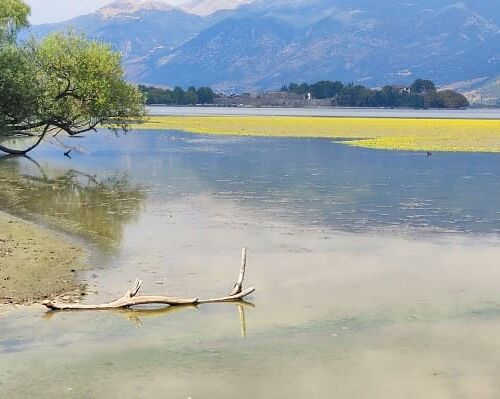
(92, 178)
(131, 299)
(27, 157)
(135, 315)
(243, 321)
(68, 178)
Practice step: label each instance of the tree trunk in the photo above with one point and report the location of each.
(12, 151)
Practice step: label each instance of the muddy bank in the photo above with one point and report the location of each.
(37, 263)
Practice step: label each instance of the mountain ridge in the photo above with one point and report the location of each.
(262, 44)
(210, 7)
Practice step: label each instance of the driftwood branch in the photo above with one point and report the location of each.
(238, 287)
(131, 299)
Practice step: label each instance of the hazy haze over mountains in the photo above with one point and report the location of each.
(208, 7)
(264, 44)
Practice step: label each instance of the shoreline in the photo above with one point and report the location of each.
(37, 263)
(330, 112)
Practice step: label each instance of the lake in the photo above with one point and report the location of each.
(470, 113)
(377, 272)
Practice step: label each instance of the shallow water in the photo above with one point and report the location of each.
(471, 113)
(376, 272)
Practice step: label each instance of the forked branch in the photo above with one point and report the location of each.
(131, 299)
(238, 287)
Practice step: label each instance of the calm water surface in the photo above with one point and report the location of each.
(471, 113)
(377, 272)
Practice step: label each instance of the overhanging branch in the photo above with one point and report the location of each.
(13, 151)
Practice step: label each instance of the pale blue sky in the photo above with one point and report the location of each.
(44, 11)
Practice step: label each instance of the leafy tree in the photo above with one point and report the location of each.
(326, 89)
(423, 94)
(452, 99)
(13, 17)
(303, 88)
(205, 95)
(65, 83)
(178, 95)
(432, 100)
(155, 95)
(390, 96)
(413, 101)
(190, 97)
(421, 86)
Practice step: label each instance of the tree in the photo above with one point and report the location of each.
(432, 100)
(13, 17)
(190, 97)
(205, 95)
(421, 86)
(326, 89)
(156, 95)
(390, 96)
(452, 99)
(65, 83)
(178, 95)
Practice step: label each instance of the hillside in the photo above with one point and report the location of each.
(266, 44)
(209, 7)
(136, 29)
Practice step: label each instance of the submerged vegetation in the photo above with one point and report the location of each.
(382, 133)
(76, 202)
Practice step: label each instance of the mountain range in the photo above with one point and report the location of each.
(260, 44)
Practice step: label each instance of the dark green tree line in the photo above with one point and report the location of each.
(421, 94)
(177, 96)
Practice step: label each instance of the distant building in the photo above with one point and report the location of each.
(271, 99)
(402, 89)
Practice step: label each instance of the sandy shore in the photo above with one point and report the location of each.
(37, 263)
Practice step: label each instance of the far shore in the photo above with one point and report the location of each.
(37, 263)
(331, 112)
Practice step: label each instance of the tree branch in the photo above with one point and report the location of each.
(12, 151)
(131, 299)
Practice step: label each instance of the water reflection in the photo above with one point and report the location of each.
(309, 182)
(95, 207)
(407, 315)
(136, 315)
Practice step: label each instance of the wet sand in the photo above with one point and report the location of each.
(37, 264)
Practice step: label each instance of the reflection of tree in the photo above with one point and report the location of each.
(95, 208)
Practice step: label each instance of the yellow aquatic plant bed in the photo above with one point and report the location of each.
(382, 133)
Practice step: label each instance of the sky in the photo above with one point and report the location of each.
(46, 11)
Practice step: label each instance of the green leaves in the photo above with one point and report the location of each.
(13, 17)
(84, 80)
(64, 83)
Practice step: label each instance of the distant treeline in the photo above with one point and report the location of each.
(421, 94)
(177, 96)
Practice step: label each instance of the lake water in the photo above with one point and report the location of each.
(377, 272)
(471, 113)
